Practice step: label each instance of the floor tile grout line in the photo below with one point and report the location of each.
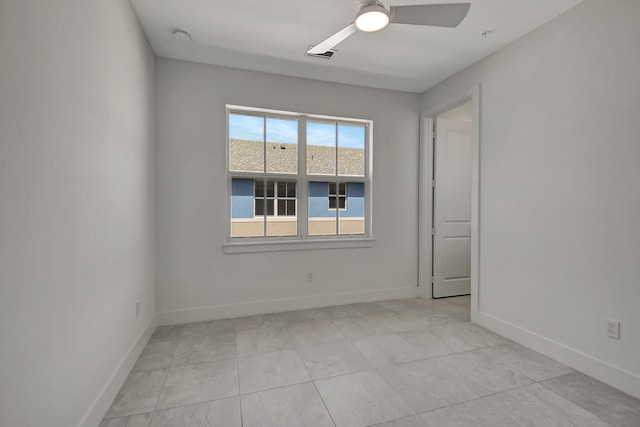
(315, 321)
(428, 328)
(502, 392)
(428, 358)
(571, 400)
(315, 386)
(373, 368)
(183, 406)
(201, 363)
(397, 393)
(546, 388)
(178, 367)
(424, 423)
(398, 332)
(477, 398)
(252, 353)
(453, 404)
(155, 407)
(238, 377)
(275, 388)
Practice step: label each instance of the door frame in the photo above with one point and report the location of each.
(425, 196)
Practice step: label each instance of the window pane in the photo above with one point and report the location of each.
(259, 188)
(282, 207)
(322, 220)
(282, 189)
(291, 189)
(343, 189)
(246, 143)
(332, 202)
(259, 209)
(269, 206)
(321, 148)
(351, 142)
(332, 189)
(246, 212)
(351, 218)
(282, 145)
(270, 188)
(291, 207)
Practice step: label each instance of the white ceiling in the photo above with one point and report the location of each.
(273, 35)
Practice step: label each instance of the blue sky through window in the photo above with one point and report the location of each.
(282, 130)
(251, 128)
(242, 126)
(351, 136)
(323, 134)
(246, 127)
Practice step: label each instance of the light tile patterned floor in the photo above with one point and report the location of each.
(399, 363)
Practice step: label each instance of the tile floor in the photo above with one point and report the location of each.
(400, 363)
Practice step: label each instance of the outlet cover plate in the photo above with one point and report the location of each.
(613, 329)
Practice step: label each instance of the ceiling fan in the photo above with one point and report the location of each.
(373, 16)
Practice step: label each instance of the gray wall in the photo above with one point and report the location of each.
(76, 205)
(559, 196)
(196, 280)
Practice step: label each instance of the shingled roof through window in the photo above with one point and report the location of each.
(247, 156)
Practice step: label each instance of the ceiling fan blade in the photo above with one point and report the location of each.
(436, 15)
(334, 40)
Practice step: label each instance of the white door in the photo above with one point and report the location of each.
(452, 208)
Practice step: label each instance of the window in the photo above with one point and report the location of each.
(296, 176)
(337, 196)
(278, 200)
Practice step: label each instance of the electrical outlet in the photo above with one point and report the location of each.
(613, 329)
(137, 309)
(309, 277)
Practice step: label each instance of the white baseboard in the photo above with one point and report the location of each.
(619, 378)
(227, 311)
(102, 402)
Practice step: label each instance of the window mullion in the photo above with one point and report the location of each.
(337, 206)
(337, 187)
(302, 208)
(264, 172)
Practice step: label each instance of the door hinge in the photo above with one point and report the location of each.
(433, 280)
(433, 183)
(433, 231)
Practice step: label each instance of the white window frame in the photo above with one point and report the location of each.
(302, 240)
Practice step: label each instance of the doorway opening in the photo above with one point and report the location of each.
(449, 205)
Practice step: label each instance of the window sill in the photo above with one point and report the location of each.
(296, 245)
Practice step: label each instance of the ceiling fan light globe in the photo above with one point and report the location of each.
(372, 18)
